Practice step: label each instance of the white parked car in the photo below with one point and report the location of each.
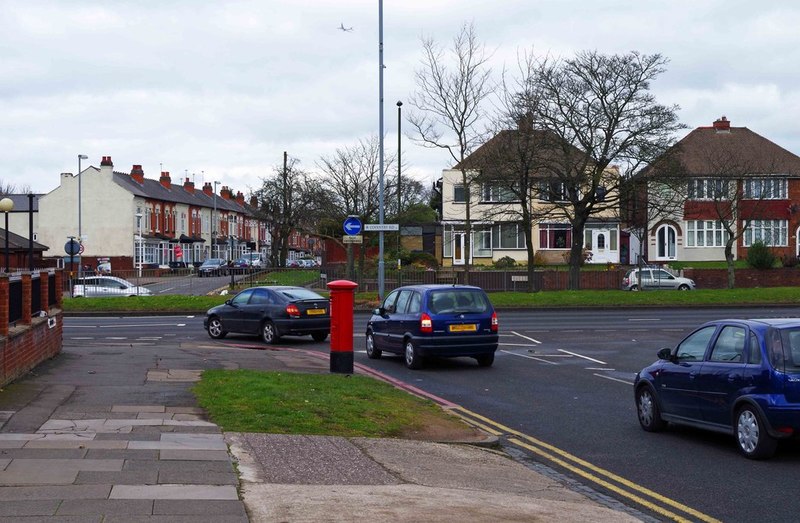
(102, 286)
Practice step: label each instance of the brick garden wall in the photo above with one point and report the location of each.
(745, 278)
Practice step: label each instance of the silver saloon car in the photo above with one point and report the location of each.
(655, 279)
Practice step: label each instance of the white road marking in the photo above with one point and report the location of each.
(644, 319)
(598, 368)
(582, 356)
(613, 379)
(82, 338)
(149, 338)
(116, 326)
(517, 345)
(116, 338)
(527, 338)
(529, 357)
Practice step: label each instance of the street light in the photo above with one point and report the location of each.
(214, 224)
(139, 242)
(399, 135)
(80, 233)
(6, 204)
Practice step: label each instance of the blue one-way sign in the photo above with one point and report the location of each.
(352, 225)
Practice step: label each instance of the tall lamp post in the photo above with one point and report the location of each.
(80, 233)
(214, 224)
(399, 141)
(6, 204)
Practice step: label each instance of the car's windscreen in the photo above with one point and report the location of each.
(300, 294)
(457, 301)
(213, 261)
(790, 341)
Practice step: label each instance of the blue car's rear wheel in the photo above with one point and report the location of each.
(751, 435)
(412, 357)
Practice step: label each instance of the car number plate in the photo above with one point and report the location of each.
(315, 312)
(469, 327)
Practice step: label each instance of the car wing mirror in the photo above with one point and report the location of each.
(665, 354)
(229, 302)
(380, 311)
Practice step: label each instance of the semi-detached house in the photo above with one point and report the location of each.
(130, 219)
(727, 178)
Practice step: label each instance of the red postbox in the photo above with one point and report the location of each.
(342, 301)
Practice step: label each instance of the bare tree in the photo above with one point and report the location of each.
(351, 177)
(287, 201)
(451, 91)
(601, 112)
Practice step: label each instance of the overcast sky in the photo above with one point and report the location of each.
(217, 90)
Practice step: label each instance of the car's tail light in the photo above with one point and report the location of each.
(292, 311)
(425, 324)
(495, 323)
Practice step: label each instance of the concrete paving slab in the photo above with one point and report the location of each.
(12, 444)
(124, 477)
(32, 465)
(11, 436)
(4, 463)
(198, 508)
(191, 478)
(186, 410)
(55, 492)
(29, 508)
(37, 477)
(175, 519)
(195, 467)
(413, 503)
(106, 506)
(173, 492)
(122, 454)
(131, 436)
(154, 415)
(194, 455)
(75, 443)
(138, 408)
(26, 453)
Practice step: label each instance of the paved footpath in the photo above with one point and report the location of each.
(112, 433)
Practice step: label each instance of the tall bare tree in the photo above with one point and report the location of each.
(602, 113)
(288, 200)
(451, 92)
(351, 177)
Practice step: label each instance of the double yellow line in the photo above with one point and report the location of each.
(645, 497)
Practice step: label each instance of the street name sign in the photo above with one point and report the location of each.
(381, 227)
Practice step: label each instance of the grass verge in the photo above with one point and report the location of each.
(313, 404)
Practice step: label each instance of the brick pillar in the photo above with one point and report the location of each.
(4, 305)
(44, 282)
(26, 299)
(59, 283)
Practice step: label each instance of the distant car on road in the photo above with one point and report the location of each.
(739, 377)
(418, 321)
(105, 286)
(271, 312)
(213, 267)
(250, 260)
(654, 278)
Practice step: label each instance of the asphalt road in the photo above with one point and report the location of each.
(560, 393)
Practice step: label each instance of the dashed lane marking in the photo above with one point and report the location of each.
(612, 379)
(529, 357)
(581, 356)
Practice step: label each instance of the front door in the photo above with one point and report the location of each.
(459, 248)
(600, 247)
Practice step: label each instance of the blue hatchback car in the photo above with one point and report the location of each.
(419, 321)
(740, 377)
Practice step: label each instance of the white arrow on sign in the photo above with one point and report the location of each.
(351, 227)
(381, 227)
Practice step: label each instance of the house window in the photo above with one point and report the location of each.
(508, 236)
(705, 233)
(183, 223)
(447, 243)
(771, 233)
(765, 188)
(550, 191)
(459, 193)
(495, 192)
(555, 236)
(708, 189)
(482, 243)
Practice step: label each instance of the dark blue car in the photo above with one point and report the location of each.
(419, 321)
(739, 377)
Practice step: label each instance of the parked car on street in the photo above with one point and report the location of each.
(420, 321)
(104, 286)
(271, 312)
(654, 278)
(252, 260)
(739, 377)
(213, 267)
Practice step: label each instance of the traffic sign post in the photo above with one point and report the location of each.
(352, 225)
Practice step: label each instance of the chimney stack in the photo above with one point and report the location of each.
(208, 190)
(226, 193)
(165, 180)
(189, 186)
(240, 198)
(254, 201)
(106, 162)
(136, 173)
(723, 125)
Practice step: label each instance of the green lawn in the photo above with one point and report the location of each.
(319, 404)
(368, 300)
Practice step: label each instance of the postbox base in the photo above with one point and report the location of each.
(342, 362)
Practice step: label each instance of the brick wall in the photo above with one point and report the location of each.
(32, 340)
(745, 278)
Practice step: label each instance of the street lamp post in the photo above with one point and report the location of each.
(6, 204)
(80, 232)
(214, 224)
(399, 141)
